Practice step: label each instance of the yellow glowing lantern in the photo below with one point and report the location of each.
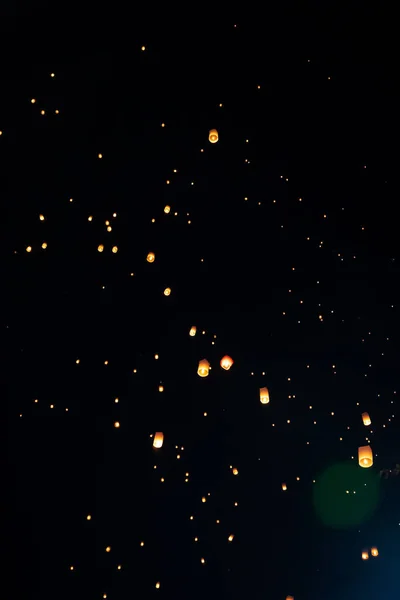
(151, 257)
(365, 458)
(366, 419)
(284, 487)
(203, 368)
(115, 249)
(193, 330)
(226, 363)
(374, 551)
(264, 395)
(364, 555)
(100, 248)
(235, 471)
(167, 209)
(167, 291)
(158, 439)
(213, 136)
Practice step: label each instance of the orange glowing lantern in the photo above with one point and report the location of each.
(158, 439)
(284, 487)
(235, 471)
(365, 458)
(289, 597)
(366, 419)
(151, 257)
(374, 551)
(226, 363)
(203, 368)
(192, 331)
(264, 395)
(213, 136)
(364, 555)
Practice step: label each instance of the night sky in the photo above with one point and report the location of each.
(278, 243)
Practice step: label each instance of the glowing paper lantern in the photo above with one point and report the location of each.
(167, 209)
(213, 136)
(193, 330)
(284, 487)
(365, 458)
(167, 291)
(226, 363)
(158, 439)
(264, 395)
(151, 257)
(366, 419)
(203, 368)
(364, 555)
(100, 248)
(235, 471)
(374, 551)
(289, 597)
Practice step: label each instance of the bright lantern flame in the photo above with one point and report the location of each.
(158, 439)
(365, 457)
(213, 136)
(226, 363)
(366, 419)
(264, 395)
(203, 368)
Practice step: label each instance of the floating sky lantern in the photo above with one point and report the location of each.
(192, 331)
(213, 136)
(203, 368)
(284, 487)
(374, 551)
(151, 257)
(167, 291)
(366, 419)
(365, 457)
(226, 362)
(235, 471)
(158, 439)
(264, 395)
(365, 555)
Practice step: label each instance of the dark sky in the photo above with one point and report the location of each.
(281, 247)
